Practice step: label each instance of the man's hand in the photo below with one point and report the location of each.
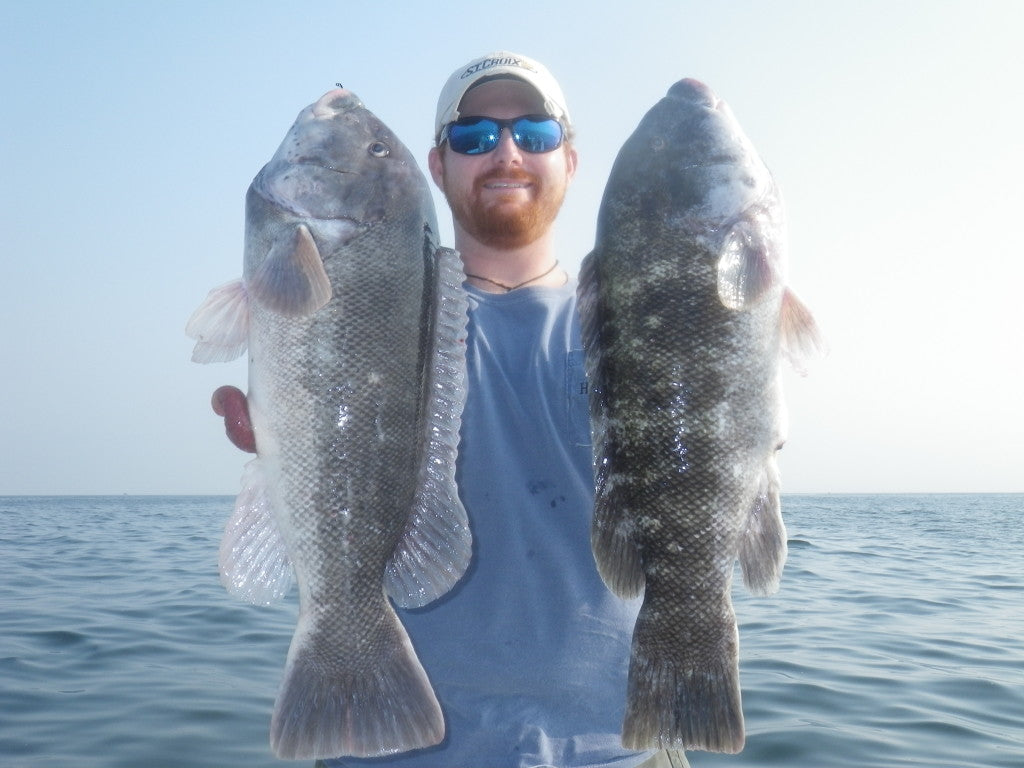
(230, 403)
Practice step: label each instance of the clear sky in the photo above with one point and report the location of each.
(131, 131)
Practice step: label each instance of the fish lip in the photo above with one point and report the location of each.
(696, 92)
(333, 102)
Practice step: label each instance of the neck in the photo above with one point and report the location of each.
(499, 270)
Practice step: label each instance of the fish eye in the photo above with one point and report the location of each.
(379, 149)
(657, 143)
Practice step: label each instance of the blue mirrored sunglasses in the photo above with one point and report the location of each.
(479, 135)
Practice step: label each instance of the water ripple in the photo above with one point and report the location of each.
(896, 639)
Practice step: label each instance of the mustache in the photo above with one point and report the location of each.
(510, 174)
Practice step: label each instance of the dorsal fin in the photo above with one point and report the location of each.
(436, 547)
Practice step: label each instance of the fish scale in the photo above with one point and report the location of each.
(681, 305)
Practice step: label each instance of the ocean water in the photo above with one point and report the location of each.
(897, 638)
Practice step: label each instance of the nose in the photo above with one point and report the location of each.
(507, 151)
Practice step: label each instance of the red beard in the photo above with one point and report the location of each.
(502, 225)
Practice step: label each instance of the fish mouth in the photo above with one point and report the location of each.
(334, 102)
(695, 92)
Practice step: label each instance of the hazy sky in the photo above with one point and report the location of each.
(131, 131)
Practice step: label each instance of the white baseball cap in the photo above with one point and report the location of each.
(497, 65)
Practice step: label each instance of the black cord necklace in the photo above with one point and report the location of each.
(507, 287)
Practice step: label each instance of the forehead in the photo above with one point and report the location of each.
(502, 98)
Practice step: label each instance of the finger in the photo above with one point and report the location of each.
(230, 403)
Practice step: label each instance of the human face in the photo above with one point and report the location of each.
(505, 198)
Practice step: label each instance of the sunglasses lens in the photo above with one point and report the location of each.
(478, 135)
(474, 136)
(537, 135)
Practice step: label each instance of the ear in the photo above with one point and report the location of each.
(571, 158)
(435, 162)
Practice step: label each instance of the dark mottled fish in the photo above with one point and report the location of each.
(355, 323)
(685, 312)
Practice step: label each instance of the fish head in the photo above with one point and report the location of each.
(689, 172)
(689, 159)
(340, 178)
(341, 171)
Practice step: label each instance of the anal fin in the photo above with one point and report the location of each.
(762, 552)
(254, 563)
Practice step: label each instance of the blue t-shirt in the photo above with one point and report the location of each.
(529, 653)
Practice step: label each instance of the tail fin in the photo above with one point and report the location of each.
(674, 702)
(334, 703)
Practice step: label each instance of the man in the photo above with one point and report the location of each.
(529, 653)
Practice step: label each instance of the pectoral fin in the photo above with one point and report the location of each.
(801, 339)
(291, 281)
(745, 270)
(220, 325)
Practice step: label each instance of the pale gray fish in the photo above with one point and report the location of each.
(685, 312)
(355, 322)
